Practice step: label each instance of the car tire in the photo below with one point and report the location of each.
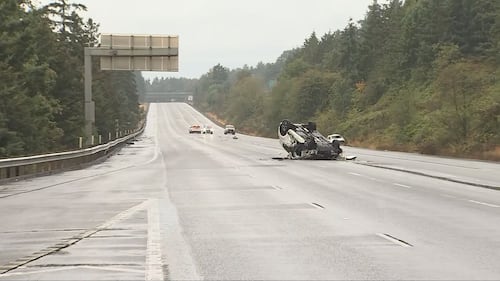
(336, 146)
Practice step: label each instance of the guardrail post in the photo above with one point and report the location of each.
(80, 142)
(100, 139)
(109, 137)
(92, 140)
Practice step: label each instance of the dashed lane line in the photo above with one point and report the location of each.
(377, 180)
(484, 204)
(449, 196)
(402, 185)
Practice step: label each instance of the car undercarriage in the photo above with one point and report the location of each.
(303, 141)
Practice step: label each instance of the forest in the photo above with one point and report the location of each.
(418, 75)
(41, 80)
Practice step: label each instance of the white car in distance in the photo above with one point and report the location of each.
(207, 130)
(336, 137)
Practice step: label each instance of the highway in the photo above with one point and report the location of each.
(179, 206)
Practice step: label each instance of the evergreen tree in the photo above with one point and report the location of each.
(26, 107)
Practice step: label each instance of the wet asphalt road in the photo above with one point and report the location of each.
(179, 206)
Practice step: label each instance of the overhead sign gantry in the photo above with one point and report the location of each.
(128, 52)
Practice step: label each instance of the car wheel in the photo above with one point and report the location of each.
(336, 147)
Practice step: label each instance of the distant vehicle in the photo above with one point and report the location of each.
(336, 137)
(195, 129)
(207, 130)
(229, 129)
(303, 141)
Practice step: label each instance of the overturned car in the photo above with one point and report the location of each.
(303, 141)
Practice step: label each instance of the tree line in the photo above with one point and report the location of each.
(418, 75)
(41, 80)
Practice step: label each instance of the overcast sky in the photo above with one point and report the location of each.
(230, 32)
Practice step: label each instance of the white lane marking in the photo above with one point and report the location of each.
(402, 185)
(395, 241)
(154, 264)
(36, 271)
(121, 216)
(485, 204)
(113, 269)
(70, 268)
(449, 196)
(366, 177)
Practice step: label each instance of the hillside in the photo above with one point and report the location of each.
(416, 76)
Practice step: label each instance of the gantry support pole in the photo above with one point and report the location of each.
(89, 106)
(144, 52)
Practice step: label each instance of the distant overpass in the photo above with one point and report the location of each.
(154, 97)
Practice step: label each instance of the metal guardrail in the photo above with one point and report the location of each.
(21, 167)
